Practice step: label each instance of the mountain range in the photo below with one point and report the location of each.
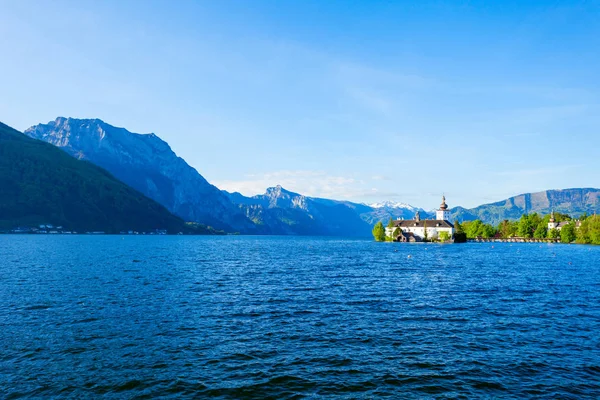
(148, 164)
(280, 211)
(568, 201)
(41, 184)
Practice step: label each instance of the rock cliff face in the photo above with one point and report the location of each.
(41, 184)
(146, 163)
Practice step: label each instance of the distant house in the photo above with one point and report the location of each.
(413, 230)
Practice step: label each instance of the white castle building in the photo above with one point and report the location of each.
(404, 230)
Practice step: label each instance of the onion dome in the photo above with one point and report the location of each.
(443, 206)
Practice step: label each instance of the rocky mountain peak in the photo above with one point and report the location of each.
(149, 165)
(279, 197)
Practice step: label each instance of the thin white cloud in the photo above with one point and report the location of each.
(309, 183)
(381, 178)
(538, 171)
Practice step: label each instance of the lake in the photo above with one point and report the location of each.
(292, 317)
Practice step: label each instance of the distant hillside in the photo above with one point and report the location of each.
(568, 201)
(147, 164)
(282, 212)
(40, 184)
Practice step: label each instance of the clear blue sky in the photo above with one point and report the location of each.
(365, 101)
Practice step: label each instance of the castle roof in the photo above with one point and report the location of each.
(429, 223)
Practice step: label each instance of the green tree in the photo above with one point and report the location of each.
(472, 228)
(567, 233)
(477, 228)
(379, 232)
(553, 233)
(589, 231)
(487, 231)
(535, 220)
(583, 233)
(507, 228)
(390, 223)
(593, 223)
(394, 235)
(425, 233)
(458, 228)
(525, 227)
(444, 236)
(541, 232)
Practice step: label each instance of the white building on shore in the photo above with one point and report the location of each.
(413, 230)
(552, 224)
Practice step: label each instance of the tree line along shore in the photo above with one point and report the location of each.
(582, 230)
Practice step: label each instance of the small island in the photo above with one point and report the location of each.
(535, 228)
(439, 229)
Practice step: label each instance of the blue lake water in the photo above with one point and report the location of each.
(280, 317)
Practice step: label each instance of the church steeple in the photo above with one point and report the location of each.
(552, 224)
(443, 206)
(443, 213)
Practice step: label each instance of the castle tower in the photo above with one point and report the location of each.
(443, 213)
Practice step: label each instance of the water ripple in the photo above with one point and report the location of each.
(287, 318)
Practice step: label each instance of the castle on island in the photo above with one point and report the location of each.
(417, 229)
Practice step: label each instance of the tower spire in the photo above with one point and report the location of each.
(443, 206)
(443, 214)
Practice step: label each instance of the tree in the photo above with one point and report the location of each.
(593, 223)
(390, 223)
(589, 231)
(472, 228)
(477, 228)
(553, 233)
(567, 233)
(534, 221)
(460, 237)
(525, 227)
(541, 232)
(444, 236)
(394, 235)
(507, 228)
(487, 231)
(379, 232)
(458, 227)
